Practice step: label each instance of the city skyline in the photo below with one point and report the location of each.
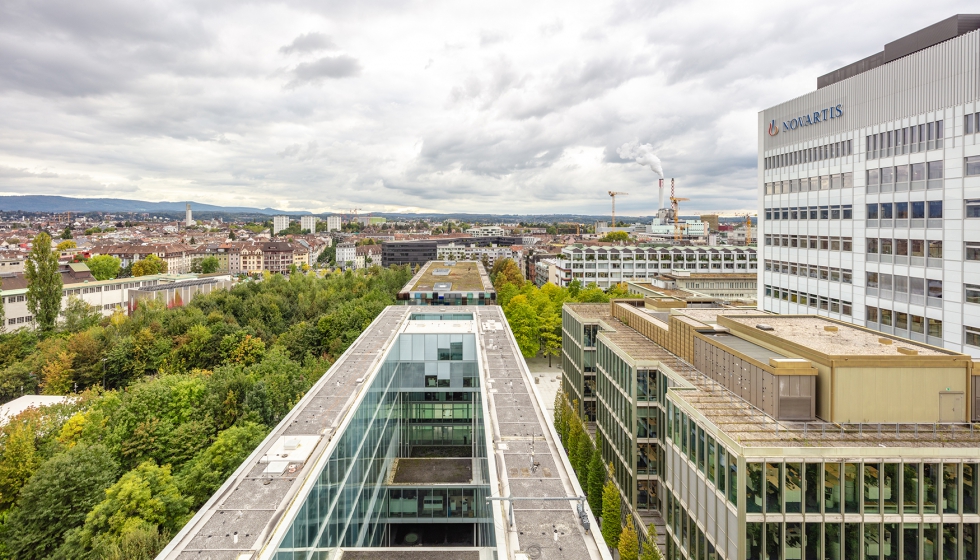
(393, 107)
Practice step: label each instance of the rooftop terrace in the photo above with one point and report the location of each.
(461, 276)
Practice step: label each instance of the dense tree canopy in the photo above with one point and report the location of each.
(152, 264)
(104, 267)
(170, 401)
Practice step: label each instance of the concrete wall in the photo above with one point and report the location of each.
(872, 394)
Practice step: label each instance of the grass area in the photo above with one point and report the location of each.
(464, 276)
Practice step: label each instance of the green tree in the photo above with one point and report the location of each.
(611, 512)
(65, 245)
(576, 433)
(67, 233)
(650, 549)
(104, 267)
(616, 237)
(205, 473)
(43, 283)
(19, 458)
(559, 412)
(152, 264)
(57, 499)
(145, 497)
(79, 315)
(524, 322)
(629, 544)
(231, 235)
(597, 475)
(584, 458)
(209, 265)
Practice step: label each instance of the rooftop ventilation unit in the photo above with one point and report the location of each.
(764, 327)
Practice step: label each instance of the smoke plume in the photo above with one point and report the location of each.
(642, 154)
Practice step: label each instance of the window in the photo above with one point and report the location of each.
(872, 211)
(972, 293)
(973, 251)
(935, 209)
(972, 166)
(972, 336)
(935, 170)
(973, 207)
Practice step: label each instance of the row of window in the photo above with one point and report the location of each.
(811, 242)
(807, 155)
(674, 256)
(915, 210)
(14, 299)
(716, 463)
(881, 541)
(871, 487)
(812, 271)
(904, 321)
(898, 177)
(830, 212)
(971, 123)
(905, 247)
(19, 320)
(806, 184)
(911, 139)
(689, 535)
(902, 284)
(825, 303)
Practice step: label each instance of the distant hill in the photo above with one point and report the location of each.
(45, 203)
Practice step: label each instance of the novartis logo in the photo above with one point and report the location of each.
(773, 128)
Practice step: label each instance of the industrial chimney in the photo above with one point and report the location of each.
(661, 193)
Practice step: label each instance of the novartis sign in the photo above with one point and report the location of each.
(816, 117)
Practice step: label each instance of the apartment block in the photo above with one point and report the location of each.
(308, 223)
(279, 223)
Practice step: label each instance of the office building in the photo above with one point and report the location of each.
(426, 439)
(732, 287)
(755, 436)
(333, 223)
(606, 265)
(449, 283)
(419, 252)
(279, 223)
(308, 223)
(487, 231)
(870, 191)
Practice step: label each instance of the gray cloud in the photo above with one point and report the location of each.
(328, 67)
(187, 100)
(308, 43)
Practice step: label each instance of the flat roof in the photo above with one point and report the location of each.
(461, 276)
(846, 340)
(709, 315)
(252, 507)
(590, 310)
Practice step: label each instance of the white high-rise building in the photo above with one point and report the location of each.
(308, 223)
(333, 223)
(870, 191)
(279, 223)
(188, 218)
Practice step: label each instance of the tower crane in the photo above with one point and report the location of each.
(678, 229)
(613, 194)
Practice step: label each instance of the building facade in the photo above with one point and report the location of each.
(758, 437)
(606, 265)
(346, 255)
(333, 223)
(870, 191)
(308, 223)
(279, 223)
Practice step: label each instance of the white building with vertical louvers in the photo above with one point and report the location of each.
(870, 191)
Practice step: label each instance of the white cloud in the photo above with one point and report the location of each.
(481, 107)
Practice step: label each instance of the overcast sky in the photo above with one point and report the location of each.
(390, 105)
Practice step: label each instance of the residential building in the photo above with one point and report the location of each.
(487, 231)
(449, 283)
(346, 255)
(252, 258)
(870, 191)
(176, 255)
(334, 223)
(473, 252)
(12, 261)
(427, 438)
(367, 255)
(308, 223)
(607, 265)
(755, 436)
(279, 223)
(277, 256)
(546, 270)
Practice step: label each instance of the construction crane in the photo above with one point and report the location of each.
(678, 229)
(748, 228)
(613, 194)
